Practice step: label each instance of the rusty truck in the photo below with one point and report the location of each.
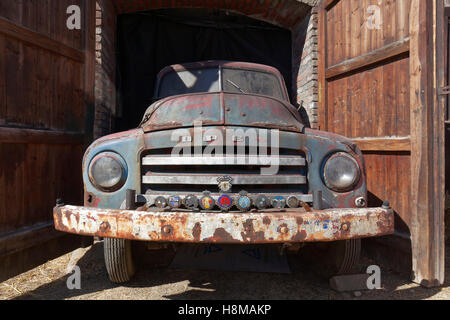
(222, 156)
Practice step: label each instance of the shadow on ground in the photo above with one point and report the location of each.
(156, 281)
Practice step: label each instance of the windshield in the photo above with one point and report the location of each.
(250, 81)
(189, 81)
(220, 79)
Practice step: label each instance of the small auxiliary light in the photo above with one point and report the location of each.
(160, 202)
(174, 202)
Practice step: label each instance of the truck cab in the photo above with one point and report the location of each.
(222, 156)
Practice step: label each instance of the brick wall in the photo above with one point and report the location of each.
(105, 67)
(305, 66)
(284, 13)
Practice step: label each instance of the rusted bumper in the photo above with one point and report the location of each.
(290, 225)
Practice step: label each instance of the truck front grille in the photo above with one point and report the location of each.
(164, 174)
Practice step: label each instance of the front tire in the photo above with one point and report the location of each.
(349, 256)
(118, 259)
(333, 258)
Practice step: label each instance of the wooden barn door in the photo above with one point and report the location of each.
(376, 87)
(46, 90)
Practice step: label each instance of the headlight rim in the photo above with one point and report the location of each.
(357, 176)
(116, 157)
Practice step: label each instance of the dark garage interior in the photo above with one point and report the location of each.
(149, 41)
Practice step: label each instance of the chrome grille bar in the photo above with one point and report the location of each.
(212, 179)
(224, 160)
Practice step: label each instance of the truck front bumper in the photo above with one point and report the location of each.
(269, 226)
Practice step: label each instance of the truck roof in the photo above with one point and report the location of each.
(216, 63)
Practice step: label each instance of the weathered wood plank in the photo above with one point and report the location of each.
(33, 38)
(28, 237)
(2, 80)
(427, 190)
(387, 144)
(42, 64)
(33, 136)
(376, 56)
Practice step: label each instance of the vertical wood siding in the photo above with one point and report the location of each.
(42, 119)
(376, 87)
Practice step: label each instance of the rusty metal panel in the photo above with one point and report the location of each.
(269, 226)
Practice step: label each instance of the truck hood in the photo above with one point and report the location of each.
(219, 108)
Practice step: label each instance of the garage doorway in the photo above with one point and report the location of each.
(149, 41)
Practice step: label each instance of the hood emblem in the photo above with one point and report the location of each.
(225, 183)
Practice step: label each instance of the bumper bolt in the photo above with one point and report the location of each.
(167, 230)
(360, 202)
(386, 205)
(284, 230)
(59, 202)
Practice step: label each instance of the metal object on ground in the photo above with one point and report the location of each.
(243, 227)
(350, 282)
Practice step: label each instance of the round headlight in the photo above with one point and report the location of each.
(341, 172)
(107, 171)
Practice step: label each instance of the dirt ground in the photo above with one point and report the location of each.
(157, 281)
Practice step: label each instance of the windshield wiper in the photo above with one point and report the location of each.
(236, 86)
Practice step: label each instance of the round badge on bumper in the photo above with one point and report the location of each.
(261, 202)
(207, 202)
(279, 202)
(191, 202)
(225, 202)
